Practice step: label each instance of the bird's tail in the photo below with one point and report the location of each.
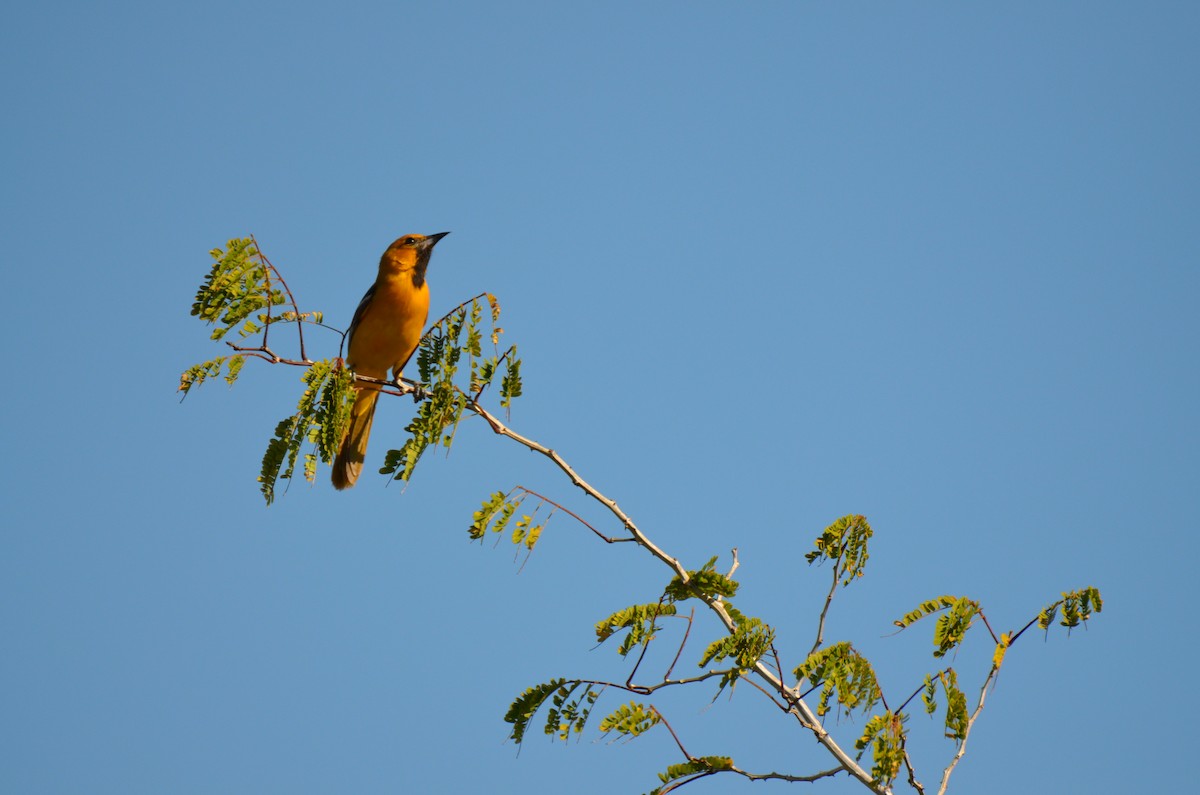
(349, 461)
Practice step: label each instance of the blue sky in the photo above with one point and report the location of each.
(767, 265)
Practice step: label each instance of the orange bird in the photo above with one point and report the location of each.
(384, 333)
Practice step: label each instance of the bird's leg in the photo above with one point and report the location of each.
(417, 390)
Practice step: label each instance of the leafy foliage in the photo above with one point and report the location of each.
(570, 706)
(237, 287)
(957, 716)
(569, 715)
(321, 417)
(630, 719)
(705, 583)
(439, 361)
(1077, 607)
(197, 374)
(845, 543)
(638, 619)
(925, 609)
(840, 670)
(497, 512)
(1001, 649)
(951, 627)
(697, 765)
(526, 705)
(239, 294)
(750, 640)
(885, 736)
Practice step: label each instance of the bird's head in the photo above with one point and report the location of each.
(411, 253)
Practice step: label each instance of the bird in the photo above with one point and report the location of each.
(385, 331)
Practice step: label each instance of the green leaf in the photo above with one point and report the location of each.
(701, 764)
(952, 627)
(841, 671)
(845, 543)
(526, 705)
(925, 609)
(197, 374)
(630, 719)
(746, 645)
(321, 417)
(1077, 607)
(928, 695)
(957, 718)
(484, 517)
(639, 620)
(704, 583)
(885, 735)
(439, 363)
(236, 288)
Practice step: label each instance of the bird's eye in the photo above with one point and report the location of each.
(410, 241)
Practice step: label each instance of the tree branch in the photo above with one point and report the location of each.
(797, 706)
(794, 703)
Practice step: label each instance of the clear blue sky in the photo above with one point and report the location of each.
(767, 264)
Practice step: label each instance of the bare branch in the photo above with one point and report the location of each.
(674, 736)
(786, 776)
(765, 692)
(682, 643)
(912, 775)
(645, 644)
(989, 626)
(825, 610)
(570, 513)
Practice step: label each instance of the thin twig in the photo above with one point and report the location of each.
(682, 643)
(989, 626)
(674, 785)
(917, 692)
(570, 513)
(674, 736)
(292, 298)
(645, 690)
(825, 610)
(646, 642)
(764, 691)
(778, 664)
(265, 353)
(1032, 621)
(786, 776)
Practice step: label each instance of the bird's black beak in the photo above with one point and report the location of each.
(431, 240)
